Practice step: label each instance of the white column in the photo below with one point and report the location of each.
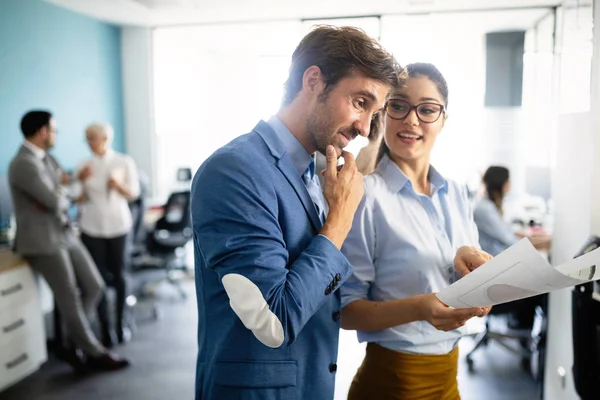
(595, 121)
(576, 192)
(140, 137)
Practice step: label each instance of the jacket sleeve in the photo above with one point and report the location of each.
(25, 176)
(237, 230)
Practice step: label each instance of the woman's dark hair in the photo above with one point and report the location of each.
(33, 121)
(415, 70)
(494, 179)
(339, 52)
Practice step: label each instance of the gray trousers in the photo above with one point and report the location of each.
(63, 271)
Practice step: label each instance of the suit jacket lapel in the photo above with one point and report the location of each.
(289, 171)
(285, 165)
(52, 168)
(47, 170)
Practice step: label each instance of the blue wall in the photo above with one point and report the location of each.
(69, 64)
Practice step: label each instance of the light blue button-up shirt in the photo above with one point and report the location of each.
(495, 235)
(301, 160)
(403, 244)
(298, 154)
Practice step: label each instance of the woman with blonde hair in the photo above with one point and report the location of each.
(109, 180)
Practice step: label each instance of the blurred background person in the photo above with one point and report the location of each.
(45, 238)
(496, 234)
(109, 182)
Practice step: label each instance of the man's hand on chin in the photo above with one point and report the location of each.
(468, 258)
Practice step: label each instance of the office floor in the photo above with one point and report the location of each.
(163, 354)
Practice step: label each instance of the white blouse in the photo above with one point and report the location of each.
(106, 213)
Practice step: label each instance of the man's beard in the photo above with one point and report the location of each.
(49, 144)
(323, 131)
(320, 130)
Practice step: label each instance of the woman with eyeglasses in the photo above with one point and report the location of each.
(404, 239)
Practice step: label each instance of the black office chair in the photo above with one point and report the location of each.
(586, 332)
(516, 336)
(138, 206)
(166, 244)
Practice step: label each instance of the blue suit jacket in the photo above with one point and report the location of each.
(253, 216)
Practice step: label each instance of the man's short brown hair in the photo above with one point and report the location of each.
(339, 52)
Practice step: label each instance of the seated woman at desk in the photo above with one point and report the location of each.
(495, 235)
(409, 228)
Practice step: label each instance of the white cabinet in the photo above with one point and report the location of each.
(22, 335)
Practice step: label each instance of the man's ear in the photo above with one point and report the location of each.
(312, 80)
(43, 131)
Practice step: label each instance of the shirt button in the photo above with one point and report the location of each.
(450, 270)
(328, 291)
(332, 367)
(451, 280)
(338, 277)
(336, 316)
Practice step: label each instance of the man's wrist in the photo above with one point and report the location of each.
(336, 229)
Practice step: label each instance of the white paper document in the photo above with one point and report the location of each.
(518, 272)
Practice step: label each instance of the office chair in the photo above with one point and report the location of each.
(165, 244)
(138, 206)
(520, 333)
(586, 332)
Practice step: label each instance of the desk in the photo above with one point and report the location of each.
(22, 334)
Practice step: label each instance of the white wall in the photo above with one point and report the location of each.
(572, 197)
(136, 58)
(595, 122)
(575, 189)
(212, 84)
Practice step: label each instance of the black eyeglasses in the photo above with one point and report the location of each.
(426, 112)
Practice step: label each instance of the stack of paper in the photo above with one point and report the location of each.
(518, 272)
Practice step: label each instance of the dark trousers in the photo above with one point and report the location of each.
(109, 256)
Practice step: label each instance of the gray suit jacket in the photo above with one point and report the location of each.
(39, 205)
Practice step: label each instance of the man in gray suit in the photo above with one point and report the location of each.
(46, 240)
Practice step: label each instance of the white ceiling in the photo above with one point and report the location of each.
(177, 12)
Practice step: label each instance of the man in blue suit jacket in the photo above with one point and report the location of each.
(268, 263)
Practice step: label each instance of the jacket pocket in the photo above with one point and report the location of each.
(256, 373)
(272, 380)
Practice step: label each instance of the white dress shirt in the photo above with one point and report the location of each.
(403, 244)
(63, 201)
(105, 213)
(37, 151)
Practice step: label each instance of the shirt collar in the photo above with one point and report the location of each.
(37, 151)
(106, 156)
(396, 179)
(299, 156)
